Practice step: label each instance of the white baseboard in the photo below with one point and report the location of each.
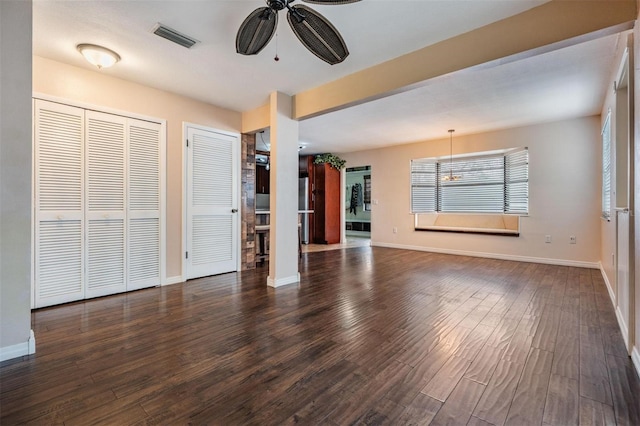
(635, 357)
(612, 295)
(560, 262)
(173, 280)
(19, 349)
(283, 281)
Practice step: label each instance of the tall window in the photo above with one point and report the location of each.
(493, 183)
(606, 168)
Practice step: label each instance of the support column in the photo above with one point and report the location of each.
(283, 233)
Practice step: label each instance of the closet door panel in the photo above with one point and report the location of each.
(105, 192)
(59, 203)
(144, 204)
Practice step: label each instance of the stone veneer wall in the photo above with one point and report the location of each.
(248, 207)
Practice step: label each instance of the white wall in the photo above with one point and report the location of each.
(15, 177)
(564, 194)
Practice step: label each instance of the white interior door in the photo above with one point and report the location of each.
(105, 147)
(212, 202)
(59, 223)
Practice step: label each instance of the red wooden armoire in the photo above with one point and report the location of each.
(326, 191)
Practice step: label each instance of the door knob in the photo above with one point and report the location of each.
(234, 210)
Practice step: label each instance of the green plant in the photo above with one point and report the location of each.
(333, 160)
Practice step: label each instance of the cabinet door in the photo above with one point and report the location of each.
(59, 223)
(262, 179)
(327, 204)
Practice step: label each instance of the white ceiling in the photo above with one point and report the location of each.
(561, 84)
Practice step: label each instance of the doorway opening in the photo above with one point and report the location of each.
(358, 202)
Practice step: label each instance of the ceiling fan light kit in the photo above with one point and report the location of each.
(313, 30)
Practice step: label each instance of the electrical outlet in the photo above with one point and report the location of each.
(572, 239)
(395, 229)
(547, 238)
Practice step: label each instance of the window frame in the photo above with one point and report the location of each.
(508, 173)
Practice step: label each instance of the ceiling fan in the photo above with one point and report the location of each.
(314, 30)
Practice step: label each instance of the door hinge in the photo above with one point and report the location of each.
(186, 254)
(187, 143)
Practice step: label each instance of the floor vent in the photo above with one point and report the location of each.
(174, 36)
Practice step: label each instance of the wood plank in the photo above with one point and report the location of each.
(527, 407)
(447, 378)
(371, 328)
(459, 406)
(484, 364)
(420, 411)
(563, 401)
(625, 385)
(594, 413)
(474, 421)
(494, 405)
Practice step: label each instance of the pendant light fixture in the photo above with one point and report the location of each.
(99, 56)
(451, 177)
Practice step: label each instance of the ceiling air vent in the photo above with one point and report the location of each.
(174, 36)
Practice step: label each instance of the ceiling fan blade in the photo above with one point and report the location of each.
(317, 34)
(330, 1)
(256, 31)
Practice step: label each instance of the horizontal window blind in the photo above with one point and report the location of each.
(423, 185)
(493, 183)
(479, 189)
(516, 176)
(606, 168)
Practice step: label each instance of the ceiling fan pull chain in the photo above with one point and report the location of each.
(276, 58)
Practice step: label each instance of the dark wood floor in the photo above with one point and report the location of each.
(371, 336)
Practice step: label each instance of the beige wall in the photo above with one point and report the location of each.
(564, 193)
(15, 177)
(98, 88)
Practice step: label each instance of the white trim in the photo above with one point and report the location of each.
(98, 108)
(635, 357)
(183, 224)
(623, 327)
(238, 178)
(163, 201)
(547, 261)
(612, 295)
(173, 280)
(33, 204)
(294, 279)
(19, 349)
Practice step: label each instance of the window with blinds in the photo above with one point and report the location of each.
(494, 183)
(606, 168)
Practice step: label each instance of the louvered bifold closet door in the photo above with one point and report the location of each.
(212, 203)
(144, 204)
(59, 227)
(105, 198)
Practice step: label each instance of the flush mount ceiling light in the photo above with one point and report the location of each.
(99, 56)
(451, 176)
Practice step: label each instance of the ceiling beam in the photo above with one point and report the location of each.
(552, 25)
